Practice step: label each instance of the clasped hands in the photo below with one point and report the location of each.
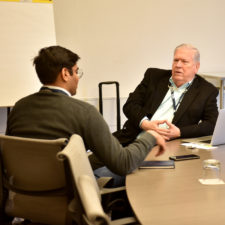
(168, 133)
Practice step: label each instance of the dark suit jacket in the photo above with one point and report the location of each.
(196, 115)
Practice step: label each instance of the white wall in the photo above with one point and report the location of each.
(119, 40)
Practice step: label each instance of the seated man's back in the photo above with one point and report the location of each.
(52, 113)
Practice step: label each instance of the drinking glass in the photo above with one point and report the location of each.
(211, 170)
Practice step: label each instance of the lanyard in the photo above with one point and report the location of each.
(181, 97)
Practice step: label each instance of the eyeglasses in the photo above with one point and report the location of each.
(79, 73)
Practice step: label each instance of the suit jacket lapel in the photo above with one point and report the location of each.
(189, 97)
(161, 91)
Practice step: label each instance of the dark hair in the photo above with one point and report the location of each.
(50, 61)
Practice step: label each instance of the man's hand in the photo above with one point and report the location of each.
(154, 125)
(174, 132)
(160, 142)
(168, 133)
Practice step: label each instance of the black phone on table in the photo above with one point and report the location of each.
(184, 157)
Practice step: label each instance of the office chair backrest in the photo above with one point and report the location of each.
(76, 154)
(25, 159)
(35, 179)
(86, 184)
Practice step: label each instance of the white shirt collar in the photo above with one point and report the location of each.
(181, 87)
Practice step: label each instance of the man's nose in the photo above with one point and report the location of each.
(179, 63)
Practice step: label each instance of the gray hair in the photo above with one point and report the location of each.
(196, 54)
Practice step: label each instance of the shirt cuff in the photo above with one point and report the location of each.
(145, 118)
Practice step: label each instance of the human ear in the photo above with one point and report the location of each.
(65, 74)
(197, 66)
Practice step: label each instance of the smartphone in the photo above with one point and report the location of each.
(184, 157)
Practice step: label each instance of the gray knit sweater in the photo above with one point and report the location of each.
(51, 115)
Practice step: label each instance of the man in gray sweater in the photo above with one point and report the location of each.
(52, 113)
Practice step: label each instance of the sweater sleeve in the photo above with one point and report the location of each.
(107, 149)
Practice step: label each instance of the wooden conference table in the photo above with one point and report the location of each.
(175, 196)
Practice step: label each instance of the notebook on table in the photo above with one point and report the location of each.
(167, 164)
(218, 137)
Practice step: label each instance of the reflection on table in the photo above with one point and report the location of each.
(175, 196)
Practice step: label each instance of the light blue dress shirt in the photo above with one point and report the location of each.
(166, 110)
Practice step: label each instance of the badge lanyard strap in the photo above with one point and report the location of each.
(181, 97)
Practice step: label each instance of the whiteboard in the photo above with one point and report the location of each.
(120, 39)
(25, 28)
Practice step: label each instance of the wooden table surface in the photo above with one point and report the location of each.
(175, 196)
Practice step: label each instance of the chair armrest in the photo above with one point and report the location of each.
(90, 200)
